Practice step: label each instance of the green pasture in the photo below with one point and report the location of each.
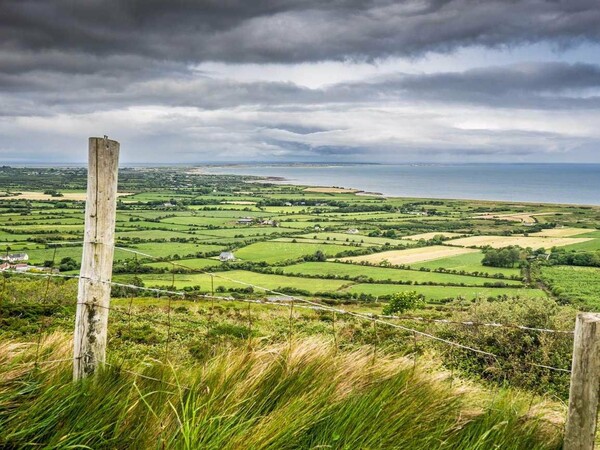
(225, 279)
(437, 293)
(340, 270)
(273, 251)
(469, 262)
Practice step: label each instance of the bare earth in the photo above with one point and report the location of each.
(26, 195)
(521, 241)
(412, 255)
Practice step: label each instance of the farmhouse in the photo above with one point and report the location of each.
(4, 266)
(15, 257)
(226, 256)
(245, 220)
(352, 231)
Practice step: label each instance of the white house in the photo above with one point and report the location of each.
(15, 257)
(226, 256)
(352, 231)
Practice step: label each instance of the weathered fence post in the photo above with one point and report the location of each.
(93, 298)
(582, 418)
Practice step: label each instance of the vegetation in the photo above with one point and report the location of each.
(294, 376)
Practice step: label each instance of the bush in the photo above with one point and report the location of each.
(403, 301)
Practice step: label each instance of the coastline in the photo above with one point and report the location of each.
(520, 183)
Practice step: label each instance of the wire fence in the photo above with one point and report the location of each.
(290, 301)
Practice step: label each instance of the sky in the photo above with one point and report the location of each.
(205, 81)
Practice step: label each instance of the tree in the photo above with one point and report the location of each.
(502, 257)
(403, 301)
(320, 256)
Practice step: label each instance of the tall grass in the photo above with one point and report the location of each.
(305, 395)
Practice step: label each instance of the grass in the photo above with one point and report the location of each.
(264, 280)
(303, 395)
(339, 270)
(469, 262)
(445, 292)
(273, 252)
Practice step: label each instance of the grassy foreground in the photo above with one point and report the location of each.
(303, 395)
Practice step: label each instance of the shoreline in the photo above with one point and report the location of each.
(360, 192)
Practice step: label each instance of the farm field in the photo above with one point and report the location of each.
(468, 262)
(340, 270)
(273, 251)
(427, 236)
(563, 232)
(410, 256)
(521, 241)
(192, 218)
(436, 293)
(225, 279)
(575, 284)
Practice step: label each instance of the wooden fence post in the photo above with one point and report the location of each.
(93, 298)
(582, 418)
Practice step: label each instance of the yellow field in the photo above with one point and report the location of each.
(412, 255)
(561, 232)
(330, 190)
(518, 217)
(427, 236)
(521, 241)
(27, 195)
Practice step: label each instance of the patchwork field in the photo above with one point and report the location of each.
(410, 256)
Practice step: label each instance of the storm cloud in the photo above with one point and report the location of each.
(137, 70)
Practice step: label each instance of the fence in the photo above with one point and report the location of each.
(95, 282)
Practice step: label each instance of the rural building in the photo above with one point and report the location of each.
(4, 266)
(352, 231)
(226, 256)
(15, 257)
(246, 220)
(21, 267)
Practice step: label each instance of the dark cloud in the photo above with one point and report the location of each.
(286, 30)
(544, 86)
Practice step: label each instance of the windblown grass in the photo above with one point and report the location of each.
(302, 395)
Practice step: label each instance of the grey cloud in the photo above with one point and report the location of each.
(286, 30)
(544, 86)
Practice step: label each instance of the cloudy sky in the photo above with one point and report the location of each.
(193, 81)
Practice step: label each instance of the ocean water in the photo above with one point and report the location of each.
(548, 183)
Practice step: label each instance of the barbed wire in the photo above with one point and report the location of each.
(362, 316)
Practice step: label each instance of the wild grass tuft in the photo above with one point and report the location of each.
(306, 395)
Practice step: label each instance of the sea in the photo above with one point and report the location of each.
(543, 183)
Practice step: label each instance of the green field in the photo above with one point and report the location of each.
(225, 279)
(580, 285)
(446, 292)
(469, 262)
(273, 252)
(340, 270)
